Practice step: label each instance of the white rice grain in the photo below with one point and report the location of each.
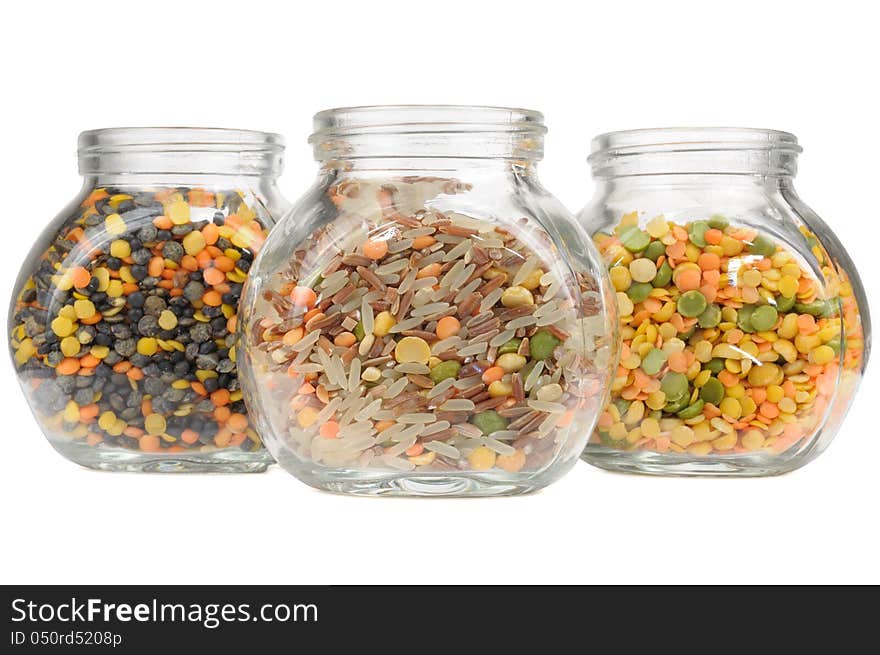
(444, 449)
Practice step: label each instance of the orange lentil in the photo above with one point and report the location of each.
(68, 366)
(431, 270)
(711, 411)
(306, 389)
(652, 305)
(189, 263)
(225, 264)
(675, 250)
(375, 249)
(203, 259)
(492, 374)
(329, 429)
(303, 296)
(199, 388)
(688, 280)
(146, 407)
(728, 379)
(220, 397)
(214, 276)
(806, 324)
(92, 320)
(88, 412)
(80, 277)
(709, 261)
(309, 315)
(237, 422)
(93, 439)
(345, 339)
(189, 436)
(293, 336)
(447, 327)
(423, 242)
(758, 394)
(211, 233)
(770, 410)
(222, 438)
(712, 277)
(713, 236)
(221, 414)
(155, 266)
(149, 442)
(212, 299)
(678, 362)
(415, 450)
(163, 223)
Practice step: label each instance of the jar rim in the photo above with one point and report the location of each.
(214, 138)
(682, 139)
(424, 119)
(176, 150)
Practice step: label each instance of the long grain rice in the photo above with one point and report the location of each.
(407, 324)
(502, 337)
(498, 446)
(417, 417)
(457, 405)
(441, 387)
(442, 448)
(433, 428)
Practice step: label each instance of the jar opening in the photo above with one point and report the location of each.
(694, 150)
(428, 131)
(187, 150)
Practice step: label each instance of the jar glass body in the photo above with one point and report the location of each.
(744, 324)
(423, 324)
(123, 319)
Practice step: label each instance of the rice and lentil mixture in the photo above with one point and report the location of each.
(406, 338)
(123, 336)
(730, 344)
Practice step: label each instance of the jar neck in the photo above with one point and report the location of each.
(741, 156)
(428, 138)
(174, 155)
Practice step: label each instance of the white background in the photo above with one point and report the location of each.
(809, 68)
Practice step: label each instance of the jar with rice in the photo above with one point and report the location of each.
(427, 320)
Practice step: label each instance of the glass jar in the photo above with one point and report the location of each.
(123, 318)
(744, 325)
(428, 320)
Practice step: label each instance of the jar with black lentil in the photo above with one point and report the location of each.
(428, 320)
(744, 325)
(123, 320)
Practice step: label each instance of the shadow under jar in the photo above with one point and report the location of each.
(123, 319)
(744, 325)
(428, 320)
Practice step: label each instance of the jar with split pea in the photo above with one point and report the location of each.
(744, 325)
(428, 320)
(123, 322)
